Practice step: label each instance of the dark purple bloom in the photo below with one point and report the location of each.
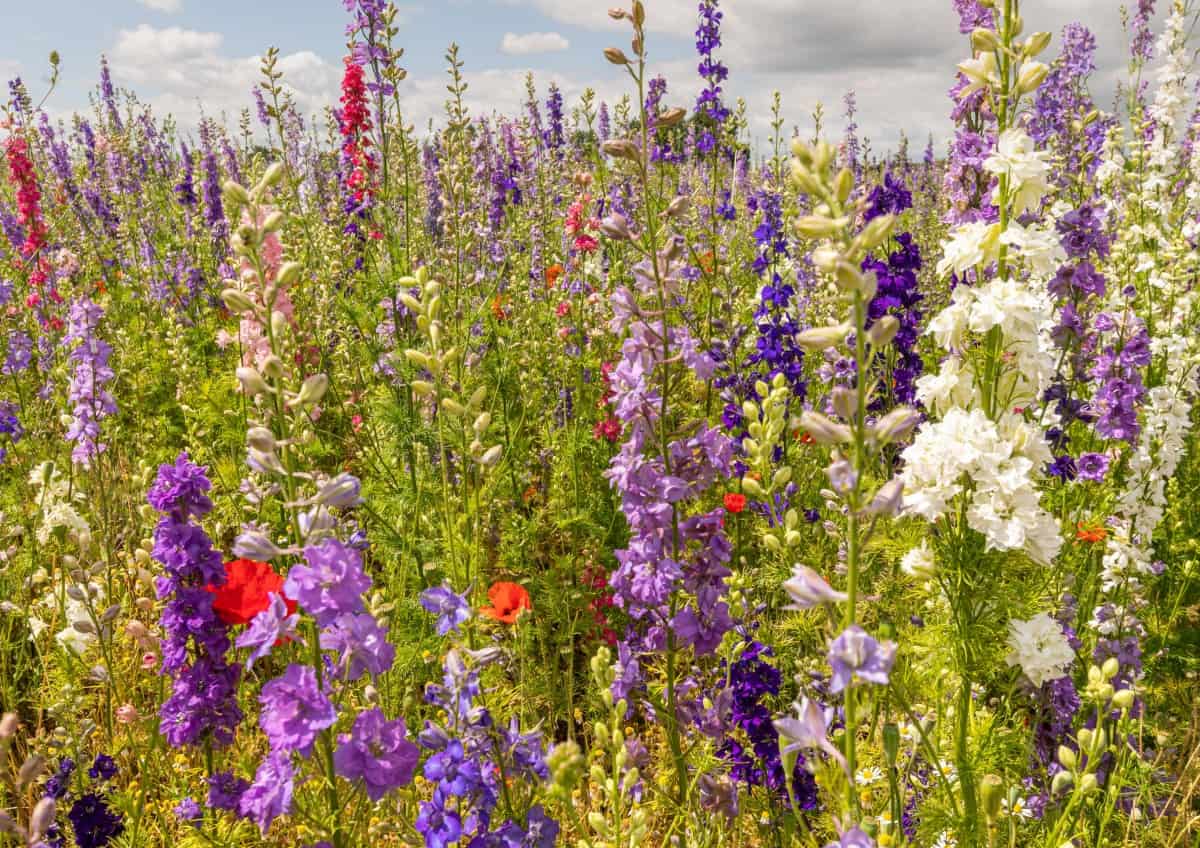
(94, 823)
(225, 791)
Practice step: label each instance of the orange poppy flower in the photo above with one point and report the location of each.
(508, 599)
(707, 262)
(1090, 534)
(552, 274)
(498, 307)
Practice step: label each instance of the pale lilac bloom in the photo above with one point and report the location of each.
(807, 589)
(855, 654)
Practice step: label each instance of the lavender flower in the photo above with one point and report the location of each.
(377, 752)
(450, 607)
(270, 795)
(331, 584)
(295, 710)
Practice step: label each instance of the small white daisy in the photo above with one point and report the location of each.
(869, 775)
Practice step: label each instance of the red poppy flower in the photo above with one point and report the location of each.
(247, 591)
(734, 502)
(508, 599)
(1084, 533)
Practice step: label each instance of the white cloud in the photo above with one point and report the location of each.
(185, 73)
(169, 6)
(899, 57)
(532, 42)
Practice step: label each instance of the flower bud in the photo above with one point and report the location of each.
(752, 487)
(1123, 699)
(252, 382)
(422, 388)
(312, 391)
(30, 770)
(260, 438)
(679, 206)
(453, 407)
(274, 222)
(343, 491)
(896, 425)
(877, 231)
(235, 194)
(491, 456)
(671, 117)
(1067, 757)
(288, 273)
(823, 430)
(40, 819)
(1036, 43)
(237, 301)
(888, 499)
(1110, 668)
(621, 148)
(1062, 781)
(984, 40)
(1031, 76)
(273, 174)
(816, 226)
(883, 331)
(616, 56)
(8, 726)
(253, 545)
(273, 367)
(1088, 784)
(616, 227)
(816, 339)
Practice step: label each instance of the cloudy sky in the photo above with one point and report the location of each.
(186, 55)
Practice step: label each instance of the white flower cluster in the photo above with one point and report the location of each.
(1022, 316)
(992, 463)
(1039, 648)
(1171, 96)
(1026, 168)
(54, 496)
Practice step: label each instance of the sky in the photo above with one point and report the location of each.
(193, 57)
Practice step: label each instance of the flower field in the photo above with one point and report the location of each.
(603, 475)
